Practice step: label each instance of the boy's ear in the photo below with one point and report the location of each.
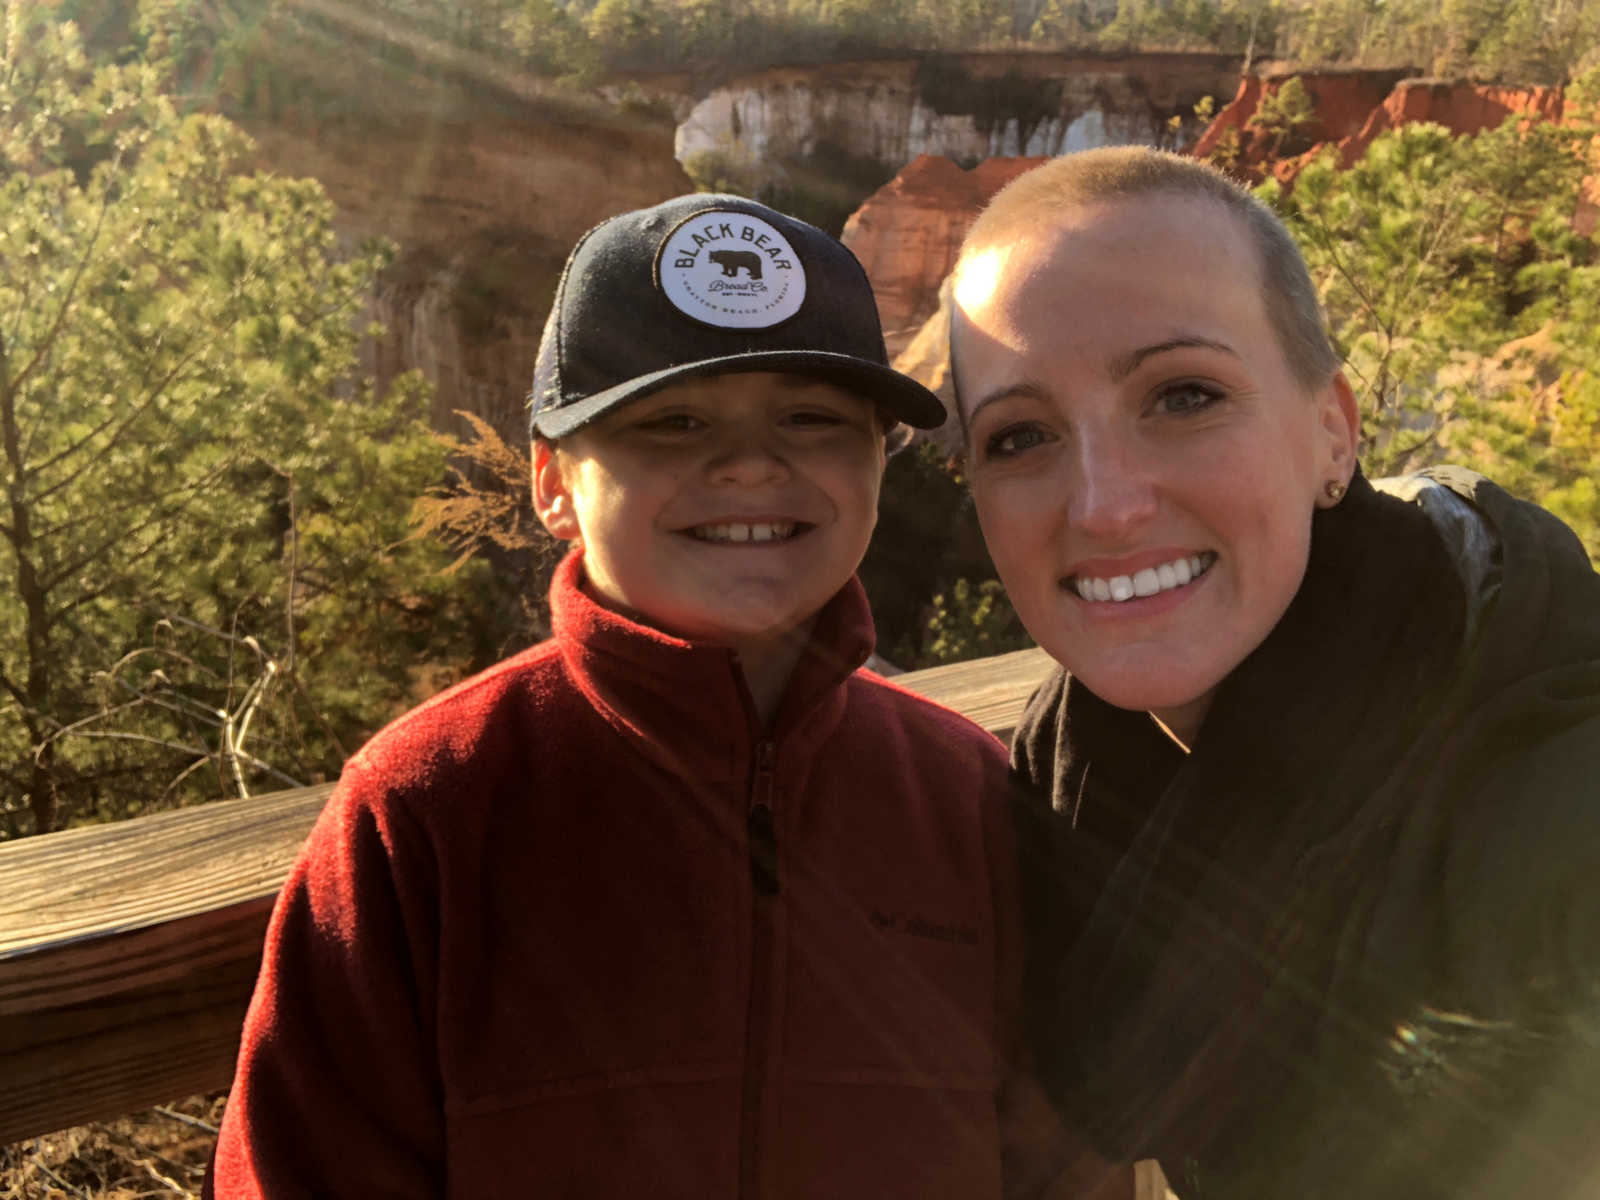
(552, 497)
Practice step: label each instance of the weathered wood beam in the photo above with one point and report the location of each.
(128, 951)
(127, 955)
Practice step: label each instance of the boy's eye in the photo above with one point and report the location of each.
(814, 416)
(671, 422)
(1012, 441)
(1187, 396)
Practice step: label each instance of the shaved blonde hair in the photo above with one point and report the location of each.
(1028, 205)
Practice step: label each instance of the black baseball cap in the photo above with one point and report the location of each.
(708, 285)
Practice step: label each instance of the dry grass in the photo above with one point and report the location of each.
(161, 1152)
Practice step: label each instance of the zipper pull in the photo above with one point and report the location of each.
(763, 830)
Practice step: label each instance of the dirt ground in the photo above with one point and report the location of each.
(160, 1152)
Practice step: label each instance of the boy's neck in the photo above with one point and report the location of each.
(767, 665)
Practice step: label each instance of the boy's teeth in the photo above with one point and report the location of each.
(741, 531)
(1147, 582)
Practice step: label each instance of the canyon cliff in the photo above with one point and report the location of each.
(481, 179)
(963, 106)
(908, 232)
(484, 179)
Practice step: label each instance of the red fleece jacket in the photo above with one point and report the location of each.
(577, 927)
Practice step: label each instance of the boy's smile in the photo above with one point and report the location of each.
(725, 509)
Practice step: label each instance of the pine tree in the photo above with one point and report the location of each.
(203, 524)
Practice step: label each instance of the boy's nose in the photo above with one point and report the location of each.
(748, 461)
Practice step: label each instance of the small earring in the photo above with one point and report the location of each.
(1334, 491)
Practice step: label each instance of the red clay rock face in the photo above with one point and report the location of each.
(908, 232)
(1353, 108)
(1342, 100)
(1463, 108)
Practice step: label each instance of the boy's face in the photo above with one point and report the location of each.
(726, 509)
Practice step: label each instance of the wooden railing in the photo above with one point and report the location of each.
(128, 951)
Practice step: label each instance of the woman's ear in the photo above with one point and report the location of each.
(552, 493)
(1340, 428)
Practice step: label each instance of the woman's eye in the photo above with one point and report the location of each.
(1187, 397)
(1013, 440)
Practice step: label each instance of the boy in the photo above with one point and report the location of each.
(677, 903)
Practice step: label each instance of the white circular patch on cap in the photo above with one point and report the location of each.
(731, 270)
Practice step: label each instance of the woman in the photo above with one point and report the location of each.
(1313, 840)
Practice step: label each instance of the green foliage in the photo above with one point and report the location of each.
(1239, 26)
(926, 541)
(972, 622)
(728, 168)
(1522, 41)
(1464, 302)
(1382, 241)
(553, 40)
(485, 509)
(1285, 115)
(230, 48)
(203, 529)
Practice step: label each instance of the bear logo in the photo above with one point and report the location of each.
(729, 269)
(731, 260)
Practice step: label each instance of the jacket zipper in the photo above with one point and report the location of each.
(762, 833)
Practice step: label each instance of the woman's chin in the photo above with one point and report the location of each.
(1167, 697)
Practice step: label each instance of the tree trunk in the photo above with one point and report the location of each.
(35, 698)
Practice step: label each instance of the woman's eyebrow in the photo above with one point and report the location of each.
(1124, 365)
(1028, 389)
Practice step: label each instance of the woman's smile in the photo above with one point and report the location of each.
(1166, 576)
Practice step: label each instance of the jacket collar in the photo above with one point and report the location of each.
(684, 703)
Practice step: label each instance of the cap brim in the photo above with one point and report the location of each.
(898, 395)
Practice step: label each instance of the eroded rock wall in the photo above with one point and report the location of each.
(966, 107)
(1342, 102)
(907, 234)
(1352, 108)
(484, 196)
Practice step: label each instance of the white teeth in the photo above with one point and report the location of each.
(741, 531)
(1148, 581)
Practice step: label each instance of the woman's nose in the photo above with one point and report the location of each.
(1114, 492)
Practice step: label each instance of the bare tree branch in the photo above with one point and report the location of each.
(118, 735)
